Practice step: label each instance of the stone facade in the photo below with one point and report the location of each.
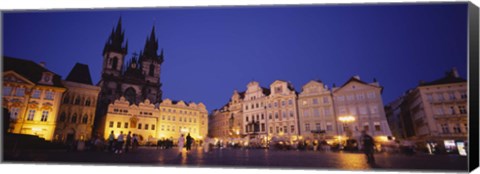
(254, 111)
(281, 107)
(32, 95)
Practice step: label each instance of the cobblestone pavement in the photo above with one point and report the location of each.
(241, 158)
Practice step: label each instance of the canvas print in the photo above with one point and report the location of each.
(349, 87)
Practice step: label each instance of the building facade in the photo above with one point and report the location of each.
(32, 95)
(359, 107)
(136, 79)
(254, 111)
(316, 117)
(281, 107)
(438, 112)
(77, 110)
(151, 122)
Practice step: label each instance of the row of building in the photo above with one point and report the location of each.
(434, 114)
(128, 98)
(316, 113)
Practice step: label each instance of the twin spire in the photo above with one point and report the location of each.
(116, 39)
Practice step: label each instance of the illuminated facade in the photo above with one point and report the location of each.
(77, 110)
(32, 95)
(151, 122)
(220, 124)
(254, 112)
(227, 122)
(281, 107)
(316, 117)
(359, 106)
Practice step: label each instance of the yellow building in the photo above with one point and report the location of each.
(77, 111)
(168, 119)
(32, 95)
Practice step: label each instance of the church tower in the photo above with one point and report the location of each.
(150, 62)
(114, 52)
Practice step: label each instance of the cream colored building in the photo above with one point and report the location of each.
(226, 123)
(32, 95)
(316, 117)
(254, 112)
(361, 101)
(168, 119)
(220, 124)
(281, 108)
(77, 111)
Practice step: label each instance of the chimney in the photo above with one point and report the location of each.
(454, 72)
(357, 77)
(42, 64)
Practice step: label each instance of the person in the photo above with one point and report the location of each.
(368, 147)
(111, 138)
(206, 144)
(128, 142)
(119, 143)
(135, 141)
(181, 141)
(189, 142)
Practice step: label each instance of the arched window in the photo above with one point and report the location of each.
(151, 70)
(66, 100)
(63, 116)
(85, 119)
(77, 101)
(115, 62)
(87, 103)
(74, 118)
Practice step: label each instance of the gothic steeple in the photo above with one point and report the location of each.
(151, 48)
(115, 41)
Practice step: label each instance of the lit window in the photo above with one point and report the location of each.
(7, 90)
(20, 92)
(119, 125)
(125, 125)
(110, 124)
(139, 126)
(31, 114)
(153, 127)
(44, 116)
(49, 95)
(36, 93)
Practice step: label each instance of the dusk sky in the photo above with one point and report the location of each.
(211, 51)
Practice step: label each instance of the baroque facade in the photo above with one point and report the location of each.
(32, 95)
(77, 110)
(228, 122)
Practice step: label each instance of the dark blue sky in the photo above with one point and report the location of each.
(209, 52)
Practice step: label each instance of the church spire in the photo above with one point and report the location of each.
(151, 48)
(115, 41)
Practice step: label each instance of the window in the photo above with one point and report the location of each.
(246, 128)
(269, 105)
(168, 118)
(377, 126)
(277, 130)
(352, 110)
(271, 129)
(342, 110)
(14, 113)
(44, 116)
(173, 118)
(430, 97)
(168, 127)
(66, 100)
(276, 115)
(451, 95)
(87, 103)
(350, 97)
(256, 105)
(291, 113)
(329, 127)
(263, 127)
(139, 126)
(292, 128)
(194, 120)
(452, 110)
(466, 127)
(317, 126)
(63, 117)
(360, 96)
(285, 129)
(258, 117)
(125, 125)
(371, 94)
(439, 111)
(315, 101)
(463, 95)
(85, 119)
(36, 93)
(362, 110)
(365, 127)
(325, 100)
(327, 112)
(307, 127)
(163, 117)
(263, 117)
(7, 90)
(290, 102)
(110, 124)
(456, 128)
(31, 114)
(270, 116)
(445, 128)
(246, 118)
(373, 109)
(74, 118)
(246, 107)
(146, 126)
(49, 95)
(316, 112)
(440, 97)
(20, 92)
(180, 119)
(341, 98)
(462, 109)
(284, 114)
(275, 104)
(119, 125)
(305, 113)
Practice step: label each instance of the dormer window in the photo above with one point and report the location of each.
(47, 78)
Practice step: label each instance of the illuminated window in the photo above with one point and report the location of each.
(139, 126)
(146, 126)
(119, 125)
(31, 114)
(110, 124)
(44, 116)
(36, 93)
(20, 92)
(125, 125)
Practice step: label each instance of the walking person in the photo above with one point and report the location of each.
(135, 142)
(189, 142)
(368, 147)
(128, 142)
(111, 138)
(180, 143)
(119, 143)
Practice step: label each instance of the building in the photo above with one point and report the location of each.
(226, 124)
(254, 111)
(136, 79)
(437, 111)
(32, 94)
(220, 124)
(152, 122)
(358, 106)
(281, 107)
(77, 110)
(316, 117)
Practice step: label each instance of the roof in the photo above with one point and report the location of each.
(354, 79)
(449, 78)
(266, 91)
(30, 70)
(80, 74)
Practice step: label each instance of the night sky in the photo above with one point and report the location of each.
(211, 51)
